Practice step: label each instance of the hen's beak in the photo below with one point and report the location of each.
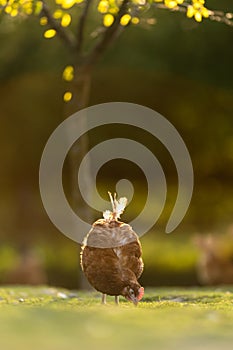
(135, 301)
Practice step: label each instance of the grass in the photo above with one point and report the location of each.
(49, 318)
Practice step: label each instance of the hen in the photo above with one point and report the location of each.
(111, 256)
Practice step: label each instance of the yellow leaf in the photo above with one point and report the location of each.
(108, 20)
(197, 6)
(57, 14)
(198, 16)
(140, 2)
(38, 7)
(114, 10)
(201, 2)
(14, 13)
(190, 11)
(112, 2)
(67, 96)
(68, 73)
(66, 20)
(125, 19)
(43, 21)
(170, 3)
(205, 12)
(8, 9)
(50, 33)
(67, 4)
(135, 20)
(103, 6)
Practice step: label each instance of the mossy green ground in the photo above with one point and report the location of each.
(169, 318)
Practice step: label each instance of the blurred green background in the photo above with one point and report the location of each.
(177, 67)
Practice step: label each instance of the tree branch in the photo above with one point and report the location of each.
(215, 15)
(81, 25)
(108, 36)
(219, 16)
(66, 37)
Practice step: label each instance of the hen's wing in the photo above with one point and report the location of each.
(129, 257)
(101, 268)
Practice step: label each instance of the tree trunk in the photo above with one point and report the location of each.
(80, 88)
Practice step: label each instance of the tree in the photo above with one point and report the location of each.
(87, 28)
(69, 19)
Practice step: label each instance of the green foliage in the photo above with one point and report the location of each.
(168, 261)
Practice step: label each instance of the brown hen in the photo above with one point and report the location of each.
(111, 256)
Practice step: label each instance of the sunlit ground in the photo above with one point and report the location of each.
(171, 318)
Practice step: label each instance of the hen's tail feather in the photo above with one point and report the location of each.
(118, 207)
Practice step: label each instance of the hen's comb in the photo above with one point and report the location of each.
(141, 293)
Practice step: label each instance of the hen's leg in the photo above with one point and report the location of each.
(103, 298)
(117, 299)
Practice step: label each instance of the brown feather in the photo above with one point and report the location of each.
(111, 257)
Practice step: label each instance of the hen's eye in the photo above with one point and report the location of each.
(131, 292)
